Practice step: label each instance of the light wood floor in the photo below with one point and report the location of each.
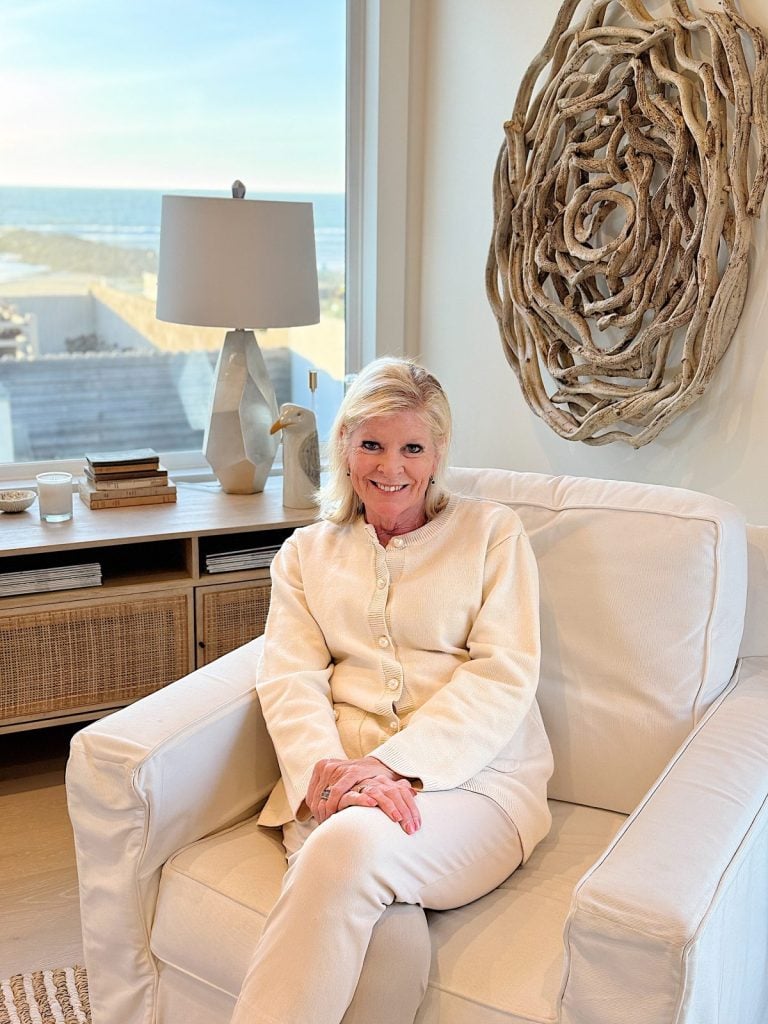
(38, 881)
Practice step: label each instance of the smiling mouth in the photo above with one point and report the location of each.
(388, 488)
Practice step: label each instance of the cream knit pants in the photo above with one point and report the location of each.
(308, 961)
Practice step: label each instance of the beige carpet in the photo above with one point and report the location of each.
(46, 997)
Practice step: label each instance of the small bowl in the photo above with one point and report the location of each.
(16, 501)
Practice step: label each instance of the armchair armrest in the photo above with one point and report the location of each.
(672, 918)
(183, 762)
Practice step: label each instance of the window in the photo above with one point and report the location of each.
(108, 114)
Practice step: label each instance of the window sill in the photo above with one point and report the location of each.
(181, 474)
(22, 475)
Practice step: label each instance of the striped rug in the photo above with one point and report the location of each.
(46, 997)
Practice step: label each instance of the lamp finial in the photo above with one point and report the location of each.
(238, 189)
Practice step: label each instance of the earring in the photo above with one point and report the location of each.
(347, 472)
(431, 479)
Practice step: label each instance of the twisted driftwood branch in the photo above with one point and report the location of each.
(624, 196)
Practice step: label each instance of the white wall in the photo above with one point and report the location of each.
(474, 54)
(113, 329)
(57, 318)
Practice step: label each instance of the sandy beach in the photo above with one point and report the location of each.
(75, 255)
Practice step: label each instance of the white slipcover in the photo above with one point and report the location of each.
(654, 918)
(630, 662)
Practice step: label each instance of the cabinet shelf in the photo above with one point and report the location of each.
(157, 615)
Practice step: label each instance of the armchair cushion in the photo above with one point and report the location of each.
(504, 951)
(643, 591)
(214, 898)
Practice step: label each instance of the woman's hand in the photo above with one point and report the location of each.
(364, 782)
(396, 797)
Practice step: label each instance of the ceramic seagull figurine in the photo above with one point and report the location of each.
(301, 455)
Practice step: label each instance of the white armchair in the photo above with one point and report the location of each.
(648, 901)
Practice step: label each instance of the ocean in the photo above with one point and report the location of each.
(130, 218)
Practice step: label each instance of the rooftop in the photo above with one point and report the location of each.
(63, 405)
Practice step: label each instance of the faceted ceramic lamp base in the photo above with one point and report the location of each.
(238, 444)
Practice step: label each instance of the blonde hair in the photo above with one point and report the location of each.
(384, 387)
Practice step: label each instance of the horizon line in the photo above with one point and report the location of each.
(158, 188)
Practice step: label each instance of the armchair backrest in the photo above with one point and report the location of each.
(643, 592)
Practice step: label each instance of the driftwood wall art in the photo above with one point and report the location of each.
(624, 196)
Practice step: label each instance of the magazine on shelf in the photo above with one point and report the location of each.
(38, 581)
(243, 558)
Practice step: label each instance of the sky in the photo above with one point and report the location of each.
(173, 94)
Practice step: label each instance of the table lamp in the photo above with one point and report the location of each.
(241, 264)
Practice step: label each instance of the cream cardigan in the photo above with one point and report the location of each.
(424, 653)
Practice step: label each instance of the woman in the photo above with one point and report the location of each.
(398, 684)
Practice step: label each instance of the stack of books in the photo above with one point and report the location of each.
(116, 479)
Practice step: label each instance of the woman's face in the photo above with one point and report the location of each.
(391, 460)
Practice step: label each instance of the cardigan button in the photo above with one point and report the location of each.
(383, 641)
(398, 542)
(381, 584)
(392, 684)
(394, 726)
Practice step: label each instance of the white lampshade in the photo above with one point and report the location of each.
(237, 263)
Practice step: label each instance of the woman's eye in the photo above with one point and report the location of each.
(369, 446)
(414, 449)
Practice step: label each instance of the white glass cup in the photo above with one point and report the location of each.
(54, 496)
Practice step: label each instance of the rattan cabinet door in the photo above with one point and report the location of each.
(88, 655)
(229, 615)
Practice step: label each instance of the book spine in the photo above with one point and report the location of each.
(128, 492)
(121, 467)
(158, 475)
(94, 503)
(122, 458)
(115, 487)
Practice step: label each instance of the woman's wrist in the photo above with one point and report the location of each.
(384, 769)
(396, 776)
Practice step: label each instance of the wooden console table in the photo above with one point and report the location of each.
(72, 655)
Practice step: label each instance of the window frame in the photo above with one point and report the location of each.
(383, 166)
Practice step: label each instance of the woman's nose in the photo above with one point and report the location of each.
(389, 462)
